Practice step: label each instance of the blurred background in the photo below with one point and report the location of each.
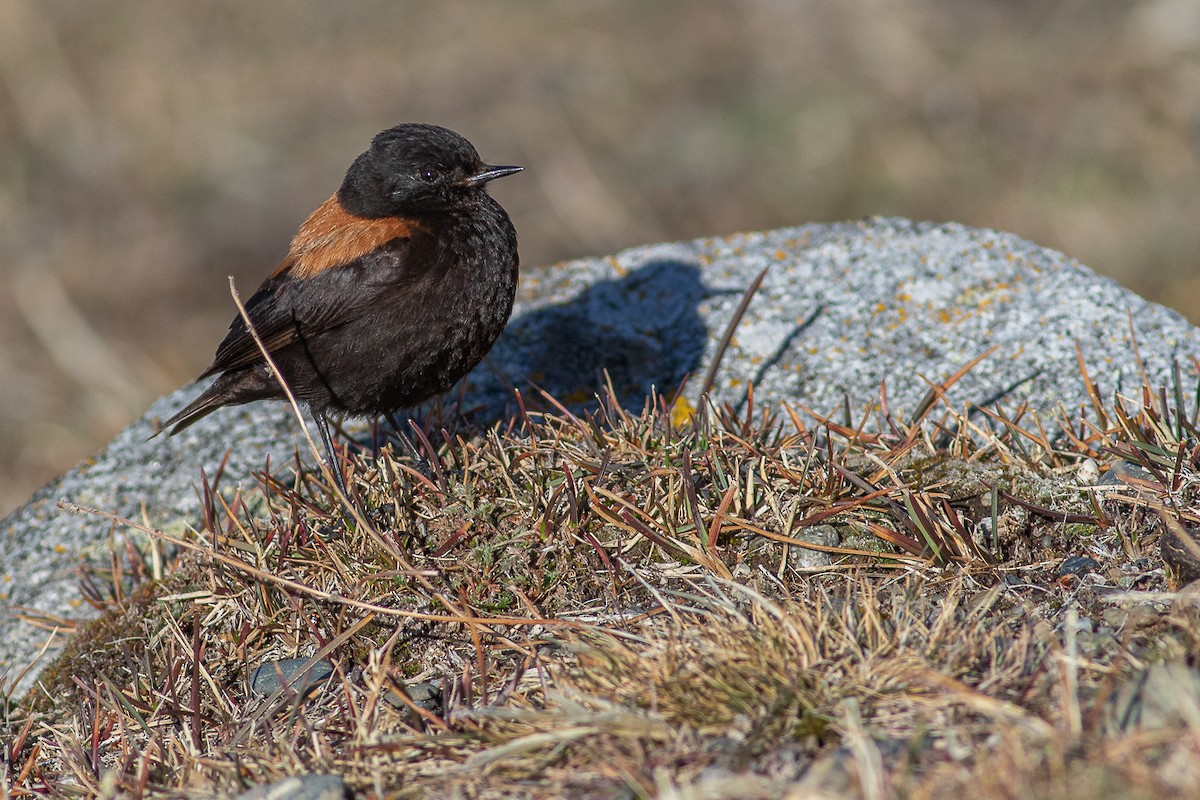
(149, 150)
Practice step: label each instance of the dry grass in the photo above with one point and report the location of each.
(613, 605)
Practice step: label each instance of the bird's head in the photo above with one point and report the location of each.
(416, 169)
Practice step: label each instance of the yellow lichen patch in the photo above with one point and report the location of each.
(682, 411)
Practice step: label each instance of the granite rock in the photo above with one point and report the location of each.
(843, 309)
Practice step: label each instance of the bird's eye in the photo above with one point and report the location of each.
(429, 175)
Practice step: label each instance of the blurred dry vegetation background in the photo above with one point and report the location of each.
(150, 149)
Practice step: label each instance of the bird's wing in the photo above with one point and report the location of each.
(287, 309)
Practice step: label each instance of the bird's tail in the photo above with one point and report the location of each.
(230, 389)
(213, 398)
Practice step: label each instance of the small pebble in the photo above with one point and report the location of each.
(804, 558)
(426, 695)
(1078, 565)
(299, 787)
(1124, 469)
(1088, 473)
(265, 679)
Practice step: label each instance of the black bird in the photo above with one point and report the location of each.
(392, 290)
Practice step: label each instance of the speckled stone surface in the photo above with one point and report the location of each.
(843, 308)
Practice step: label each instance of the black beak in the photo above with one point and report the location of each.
(490, 173)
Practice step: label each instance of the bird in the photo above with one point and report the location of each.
(392, 290)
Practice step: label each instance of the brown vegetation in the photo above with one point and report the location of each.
(617, 605)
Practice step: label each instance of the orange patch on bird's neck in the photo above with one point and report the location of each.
(332, 237)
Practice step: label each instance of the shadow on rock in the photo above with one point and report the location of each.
(643, 329)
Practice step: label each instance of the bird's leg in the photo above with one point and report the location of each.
(420, 462)
(335, 466)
